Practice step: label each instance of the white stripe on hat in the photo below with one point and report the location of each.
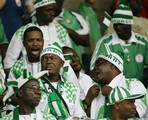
(106, 21)
(124, 12)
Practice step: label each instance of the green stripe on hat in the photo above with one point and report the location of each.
(123, 14)
(12, 83)
(119, 94)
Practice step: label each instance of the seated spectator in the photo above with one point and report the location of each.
(88, 86)
(122, 103)
(28, 93)
(108, 72)
(63, 97)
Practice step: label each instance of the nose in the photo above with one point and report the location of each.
(134, 106)
(35, 42)
(38, 92)
(49, 60)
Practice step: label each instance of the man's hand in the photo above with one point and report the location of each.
(91, 94)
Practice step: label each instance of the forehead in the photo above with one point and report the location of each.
(121, 25)
(31, 83)
(32, 33)
(69, 51)
(101, 60)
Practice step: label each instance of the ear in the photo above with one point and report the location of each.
(62, 63)
(117, 106)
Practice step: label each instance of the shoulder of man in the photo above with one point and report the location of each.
(141, 37)
(18, 65)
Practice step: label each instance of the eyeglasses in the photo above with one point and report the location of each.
(35, 89)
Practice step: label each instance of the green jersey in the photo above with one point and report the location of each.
(134, 53)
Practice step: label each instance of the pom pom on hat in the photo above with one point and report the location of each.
(40, 3)
(123, 14)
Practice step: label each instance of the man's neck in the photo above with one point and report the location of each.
(53, 78)
(25, 110)
(33, 60)
(116, 116)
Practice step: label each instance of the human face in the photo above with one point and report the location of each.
(46, 14)
(123, 31)
(31, 93)
(74, 61)
(34, 45)
(102, 71)
(52, 63)
(127, 109)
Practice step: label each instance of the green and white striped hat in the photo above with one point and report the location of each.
(54, 48)
(123, 14)
(119, 94)
(112, 57)
(14, 85)
(40, 3)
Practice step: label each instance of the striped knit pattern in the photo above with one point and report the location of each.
(119, 94)
(54, 48)
(106, 21)
(40, 3)
(123, 15)
(115, 59)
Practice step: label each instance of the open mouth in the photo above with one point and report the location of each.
(35, 51)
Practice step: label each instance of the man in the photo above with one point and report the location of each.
(28, 92)
(85, 9)
(133, 47)
(89, 88)
(63, 96)
(77, 28)
(45, 13)
(33, 43)
(109, 73)
(122, 103)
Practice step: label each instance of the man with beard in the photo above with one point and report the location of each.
(88, 86)
(78, 30)
(28, 93)
(108, 72)
(30, 63)
(63, 97)
(33, 43)
(52, 32)
(132, 46)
